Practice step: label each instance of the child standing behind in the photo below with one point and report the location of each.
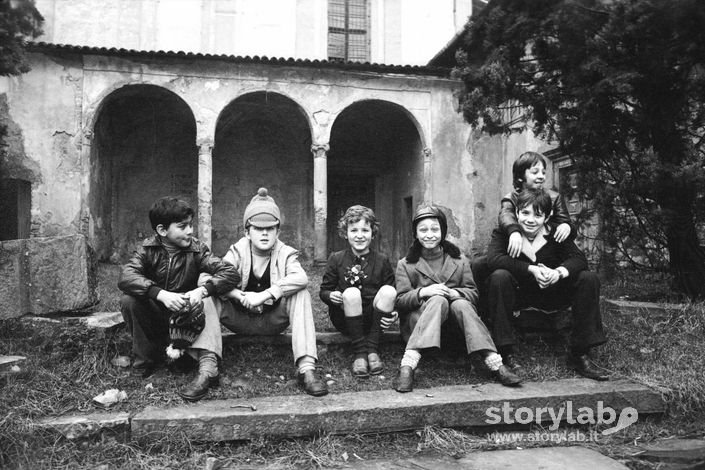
(161, 279)
(529, 172)
(358, 287)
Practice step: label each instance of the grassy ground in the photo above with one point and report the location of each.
(67, 366)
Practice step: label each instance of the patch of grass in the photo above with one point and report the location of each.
(67, 365)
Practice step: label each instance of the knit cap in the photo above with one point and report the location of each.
(262, 211)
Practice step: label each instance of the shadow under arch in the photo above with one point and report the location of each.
(144, 147)
(263, 139)
(375, 159)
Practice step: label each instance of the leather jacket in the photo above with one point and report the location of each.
(152, 270)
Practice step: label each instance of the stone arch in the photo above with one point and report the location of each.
(263, 138)
(144, 147)
(376, 159)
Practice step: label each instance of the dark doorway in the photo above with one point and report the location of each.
(15, 205)
(375, 159)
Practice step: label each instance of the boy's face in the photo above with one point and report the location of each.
(535, 176)
(428, 233)
(262, 238)
(178, 233)
(359, 236)
(530, 221)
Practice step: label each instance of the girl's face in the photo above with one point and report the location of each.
(428, 233)
(535, 176)
(359, 236)
(530, 221)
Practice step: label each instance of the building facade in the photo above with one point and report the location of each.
(97, 133)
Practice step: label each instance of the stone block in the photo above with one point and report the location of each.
(46, 275)
(6, 362)
(385, 410)
(327, 338)
(89, 425)
(544, 458)
(630, 307)
(675, 450)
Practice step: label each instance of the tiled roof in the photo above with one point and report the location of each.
(335, 65)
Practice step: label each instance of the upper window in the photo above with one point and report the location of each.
(348, 30)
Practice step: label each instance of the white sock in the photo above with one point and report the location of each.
(493, 361)
(306, 363)
(411, 358)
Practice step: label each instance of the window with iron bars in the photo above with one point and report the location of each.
(348, 30)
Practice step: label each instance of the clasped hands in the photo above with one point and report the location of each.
(439, 289)
(544, 275)
(175, 301)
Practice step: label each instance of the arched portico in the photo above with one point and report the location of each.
(376, 159)
(143, 148)
(263, 139)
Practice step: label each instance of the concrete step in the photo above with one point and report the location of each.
(542, 458)
(6, 362)
(327, 338)
(631, 307)
(387, 411)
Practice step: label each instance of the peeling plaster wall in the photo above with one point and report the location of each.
(46, 105)
(61, 98)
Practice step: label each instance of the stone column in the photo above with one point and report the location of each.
(427, 175)
(320, 201)
(205, 191)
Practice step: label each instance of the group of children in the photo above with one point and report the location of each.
(177, 294)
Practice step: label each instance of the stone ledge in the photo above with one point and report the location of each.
(383, 411)
(630, 307)
(82, 426)
(544, 458)
(6, 362)
(327, 338)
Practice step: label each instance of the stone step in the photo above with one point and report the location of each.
(630, 307)
(327, 338)
(388, 411)
(542, 458)
(87, 425)
(6, 362)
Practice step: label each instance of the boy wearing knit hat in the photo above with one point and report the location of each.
(272, 292)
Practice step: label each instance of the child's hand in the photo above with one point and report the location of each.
(562, 232)
(433, 290)
(195, 296)
(171, 300)
(252, 300)
(388, 320)
(454, 294)
(336, 297)
(538, 273)
(514, 246)
(550, 276)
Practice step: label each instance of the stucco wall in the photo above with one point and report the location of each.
(57, 105)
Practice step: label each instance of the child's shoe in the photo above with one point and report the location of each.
(359, 368)
(375, 363)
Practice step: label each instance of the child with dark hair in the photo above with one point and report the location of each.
(548, 275)
(160, 282)
(434, 282)
(358, 287)
(529, 172)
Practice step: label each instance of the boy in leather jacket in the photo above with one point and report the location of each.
(160, 280)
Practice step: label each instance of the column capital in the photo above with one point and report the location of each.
(320, 150)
